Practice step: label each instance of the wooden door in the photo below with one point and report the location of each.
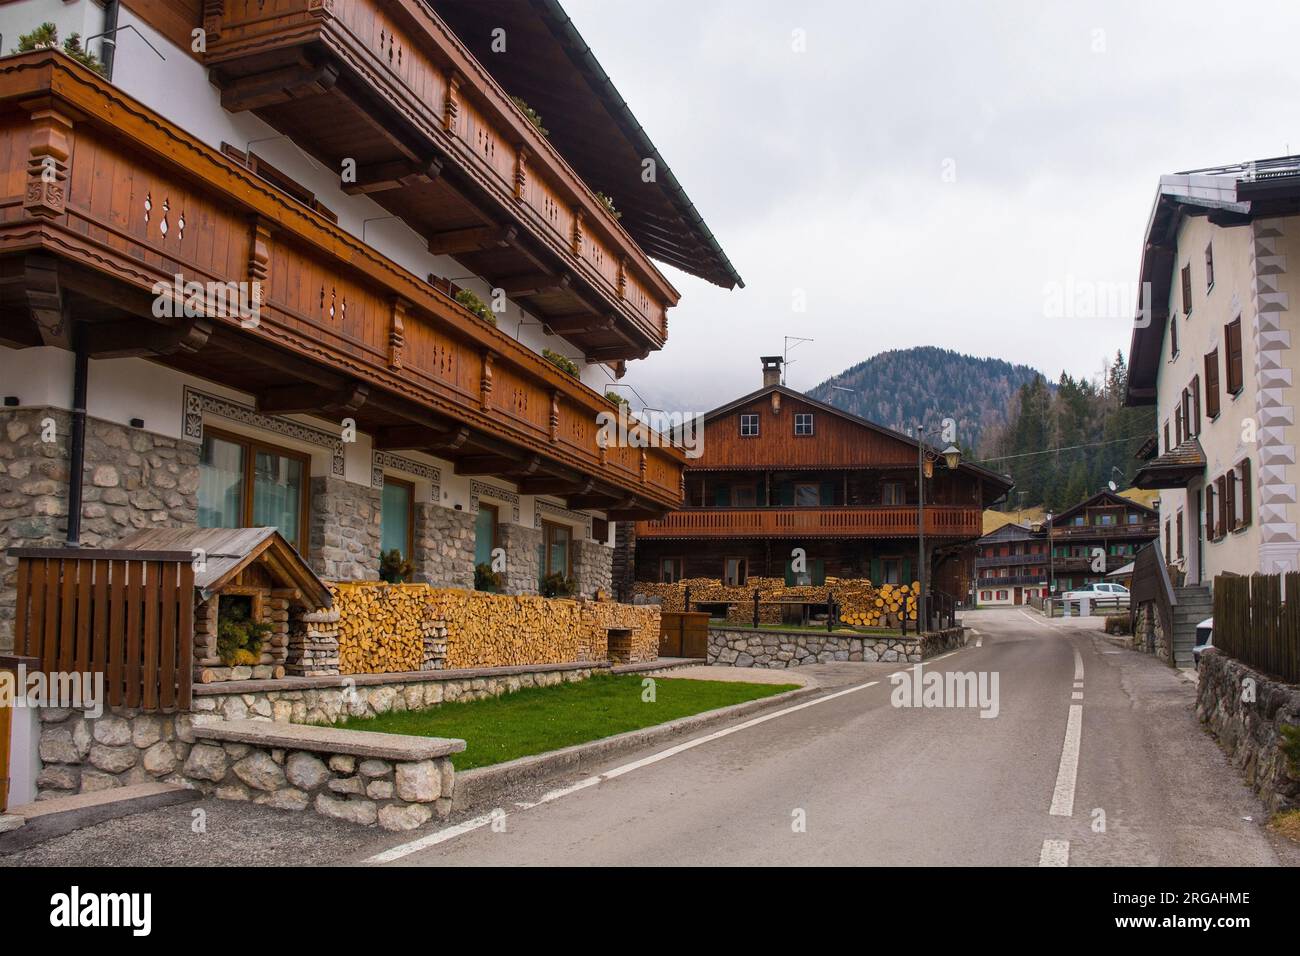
(1020, 596)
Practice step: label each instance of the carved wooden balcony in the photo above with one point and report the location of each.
(103, 199)
(435, 140)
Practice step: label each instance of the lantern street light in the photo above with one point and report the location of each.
(925, 458)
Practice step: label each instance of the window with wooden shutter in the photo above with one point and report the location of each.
(1224, 517)
(1232, 352)
(1209, 266)
(1166, 431)
(1173, 336)
(1166, 539)
(1230, 500)
(1209, 512)
(1243, 475)
(1196, 405)
(1178, 530)
(1187, 289)
(1178, 425)
(1212, 385)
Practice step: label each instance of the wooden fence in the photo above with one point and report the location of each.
(128, 615)
(1257, 624)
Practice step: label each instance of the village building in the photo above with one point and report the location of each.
(1214, 355)
(787, 487)
(339, 269)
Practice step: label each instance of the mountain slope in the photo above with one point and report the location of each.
(903, 386)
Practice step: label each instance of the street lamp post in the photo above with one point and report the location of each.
(952, 458)
(1051, 559)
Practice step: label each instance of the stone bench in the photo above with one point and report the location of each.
(395, 780)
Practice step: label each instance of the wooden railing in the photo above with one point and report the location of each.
(403, 52)
(128, 615)
(132, 211)
(1143, 528)
(940, 521)
(1258, 624)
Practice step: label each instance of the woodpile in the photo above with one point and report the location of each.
(861, 602)
(314, 644)
(386, 628)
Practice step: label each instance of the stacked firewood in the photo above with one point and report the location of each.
(860, 602)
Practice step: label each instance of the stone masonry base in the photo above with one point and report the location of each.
(743, 647)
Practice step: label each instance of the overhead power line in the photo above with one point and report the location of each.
(1049, 451)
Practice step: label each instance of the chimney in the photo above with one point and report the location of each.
(771, 370)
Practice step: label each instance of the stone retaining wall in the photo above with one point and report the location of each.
(1249, 731)
(124, 746)
(745, 647)
(398, 795)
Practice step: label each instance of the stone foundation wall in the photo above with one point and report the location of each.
(444, 546)
(133, 479)
(592, 567)
(345, 530)
(1149, 635)
(1249, 730)
(80, 754)
(521, 545)
(775, 649)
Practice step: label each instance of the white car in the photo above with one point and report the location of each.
(1098, 589)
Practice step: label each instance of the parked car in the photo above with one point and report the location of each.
(1098, 589)
(1204, 639)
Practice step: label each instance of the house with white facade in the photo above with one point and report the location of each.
(1213, 353)
(365, 272)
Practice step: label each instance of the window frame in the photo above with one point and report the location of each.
(750, 418)
(547, 528)
(679, 566)
(409, 553)
(742, 567)
(1212, 406)
(251, 447)
(811, 423)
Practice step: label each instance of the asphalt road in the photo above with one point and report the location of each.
(847, 778)
(856, 780)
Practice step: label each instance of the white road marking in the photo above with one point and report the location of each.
(1068, 772)
(1055, 853)
(1078, 664)
(450, 833)
(980, 642)
(1076, 695)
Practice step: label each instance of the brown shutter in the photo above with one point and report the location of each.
(1243, 470)
(1196, 405)
(1173, 335)
(1209, 512)
(1230, 500)
(1212, 384)
(1187, 289)
(1209, 266)
(1232, 350)
(1166, 429)
(1180, 534)
(1223, 522)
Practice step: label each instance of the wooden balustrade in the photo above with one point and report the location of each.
(407, 59)
(940, 521)
(141, 202)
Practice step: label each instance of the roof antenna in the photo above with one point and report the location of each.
(798, 341)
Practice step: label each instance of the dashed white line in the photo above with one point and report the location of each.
(1076, 695)
(1068, 772)
(1055, 853)
(450, 833)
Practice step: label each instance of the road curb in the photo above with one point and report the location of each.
(478, 788)
(51, 819)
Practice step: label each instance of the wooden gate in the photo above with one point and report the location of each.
(128, 615)
(684, 634)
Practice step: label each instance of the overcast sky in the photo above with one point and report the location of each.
(824, 170)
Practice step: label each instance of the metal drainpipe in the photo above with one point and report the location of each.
(77, 451)
(108, 45)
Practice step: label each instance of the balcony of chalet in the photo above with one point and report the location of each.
(436, 141)
(104, 201)
(838, 503)
(1107, 530)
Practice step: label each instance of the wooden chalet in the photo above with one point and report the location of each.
(780, 471)
(1106, 525)
(345, 170)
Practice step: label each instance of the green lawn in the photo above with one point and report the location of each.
(537, 719)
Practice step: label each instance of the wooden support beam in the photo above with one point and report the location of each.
(580, 322)
(578, 485)
(497, 465)
(419, 438)
(133, 338)
(395, 175)
(599, 500)
(617, 352)
(297, 82)
(308, 398)
(474, 239)
(534, 283)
